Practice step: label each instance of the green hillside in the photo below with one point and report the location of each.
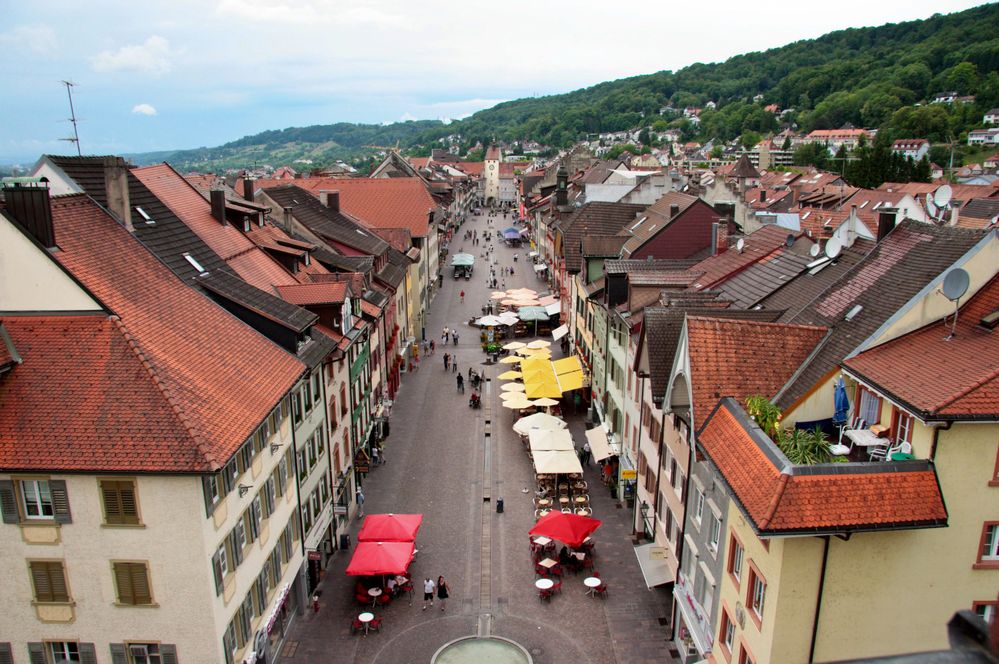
(870, 77)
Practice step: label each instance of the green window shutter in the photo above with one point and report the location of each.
(6, 655)
(217, 572)
(36, 653)
(118, 654)
(237, 550)
(168, 653)
(60, 501)
(8, 502)
(88, 654)
(207, 491)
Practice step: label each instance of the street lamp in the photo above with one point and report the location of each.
(644, 510)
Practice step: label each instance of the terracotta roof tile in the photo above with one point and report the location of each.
(758, 245)
(315, 293)
(937, 377)
(782, 499)
(739, 358)
(217, 375)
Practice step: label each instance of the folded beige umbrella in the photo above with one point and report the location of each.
(512, 387)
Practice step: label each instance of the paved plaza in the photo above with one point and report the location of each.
(451, 464)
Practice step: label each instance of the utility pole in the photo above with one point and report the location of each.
(72, 117)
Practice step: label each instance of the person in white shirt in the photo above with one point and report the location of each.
(428, 592)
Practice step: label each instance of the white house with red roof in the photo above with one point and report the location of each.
(911, 148)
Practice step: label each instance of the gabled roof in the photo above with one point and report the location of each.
(761, 279)
(215, 376)
(593, 219)
(658, 216)
(602, 245)
(715, 269)
(329, 224)
(803, 289)
(937, 377)
(779, 498)
(744, 169)
(736, 358)
(886, 279)
(979, 213)
(315, 294)
(260, 302)
(377, 203)
(238, 251)
(630, 265)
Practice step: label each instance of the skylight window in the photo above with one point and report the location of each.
(194, 263)
(144, 215)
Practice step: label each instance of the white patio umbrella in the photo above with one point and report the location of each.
(512, 387)
(539, 343)
(542, 421)
(545, 401)
(514, 345)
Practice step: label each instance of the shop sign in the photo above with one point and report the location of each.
(339, 510)
(629, 474)
(315, 555)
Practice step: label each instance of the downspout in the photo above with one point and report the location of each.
(638, 446)
(936, 438)
(818, 600)
(681, 548)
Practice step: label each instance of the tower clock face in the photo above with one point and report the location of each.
(492, 166)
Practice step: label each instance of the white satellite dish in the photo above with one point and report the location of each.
(930, 207)
(815, 250)
(943, 195)
(955, 285)
(740, 245)
(833, 247)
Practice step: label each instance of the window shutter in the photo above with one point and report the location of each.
(207, 491)
(88, 654)
(123, 582)
(129, 507)
(6, 656)
(60, 501)
(168, 653)
(8, 502)
(217, 571)
(237, 550)
(140, 583)
(57, 576)
(36, 653)
(112, 504)
(118, 654)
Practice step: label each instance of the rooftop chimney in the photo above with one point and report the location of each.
(763, 195)
(562, 186)
(851, 226)
(330, 199)
(287, 220)
(248, 189)
(674, 210)
(714, 238)
(218, 205)
(116, 186)
(28, 203)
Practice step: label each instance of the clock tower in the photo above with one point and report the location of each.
(490, 173)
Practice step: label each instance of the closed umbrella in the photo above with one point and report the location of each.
(571, 529)
(842, 402)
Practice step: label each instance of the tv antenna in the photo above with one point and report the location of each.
(72, 117)
(955, 285)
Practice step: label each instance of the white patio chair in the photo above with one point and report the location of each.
(839, 449)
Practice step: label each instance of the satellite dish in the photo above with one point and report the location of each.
(740, 245)
(930, 207)
(789, 240)
(815, 250)
(956, 284)
(943, 195)
(833, 247)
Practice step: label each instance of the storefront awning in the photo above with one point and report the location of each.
(598, 443)
(560, 332)
(652, 560)
(540, 267)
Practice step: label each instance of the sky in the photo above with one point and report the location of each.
(184, 74)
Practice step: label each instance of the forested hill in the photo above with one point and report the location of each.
(870, 77)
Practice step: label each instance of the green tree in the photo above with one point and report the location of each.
(717, 152)
(750, 139)
(811, 154)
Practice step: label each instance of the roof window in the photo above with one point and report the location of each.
(144, 215)
(194, 263)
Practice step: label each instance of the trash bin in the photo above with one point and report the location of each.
(499, 505)
(344, 540)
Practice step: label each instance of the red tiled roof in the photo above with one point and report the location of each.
(492, 152)
(377, 203)
(314, 293)
(370, 309)
(779, 498)
(252, 265)
(939, 378)
(742, 358)
(194, 362)
(470, 167)
(418, 162)
(270, 236)
(758, 245)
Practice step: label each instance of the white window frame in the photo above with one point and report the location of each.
(699, 506)
(990, 547)
(714, 533)
(143, 652)
(37, 504)
(737, 554)
(223, 553)
(759, 595)
(69, 651)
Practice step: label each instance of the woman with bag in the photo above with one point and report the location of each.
(442, 591)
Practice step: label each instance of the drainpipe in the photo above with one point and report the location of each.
(681, 548)
(818, 600)
(936, 438)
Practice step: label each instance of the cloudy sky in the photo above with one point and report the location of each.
(182, 74)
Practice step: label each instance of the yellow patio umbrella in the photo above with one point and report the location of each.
(514, 345)
(524, 350)
(512, 387)
(539, 343)
(510, 375)
(510, 359)
(542, 353)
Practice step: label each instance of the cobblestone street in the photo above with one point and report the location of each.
(451, 464)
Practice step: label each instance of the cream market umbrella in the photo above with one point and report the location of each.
(539, 343)
(512, 387)
(506, 396)
(498, 295)
(545, 401)
(515, 404)
(514, 345)
(510, 359)
(549, 462)
(510, 375)
(546, 439)
(541, 421)
(525, 351)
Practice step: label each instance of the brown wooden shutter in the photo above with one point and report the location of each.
(60, 501)
(88, 654)
(217, 572)
(8, 502)
(129, 506)
(168, 653)
(112, 504)
(118, 654)
(120, 506)
(57, 577)
(123, 583)
(36, 653)
(6, 655)
(139, 574)
(49, 581)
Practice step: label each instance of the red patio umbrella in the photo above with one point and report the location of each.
(373, 558)
(565, 527)
(390, 528)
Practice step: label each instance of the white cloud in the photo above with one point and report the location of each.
(38, 39)
(151, 57)
(144, 109)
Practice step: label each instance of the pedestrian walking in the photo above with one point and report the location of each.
(447, 361)
(433, 346)
(444, 334)
(442, 591)
(462, 296)
(359, 497)
(428, 592)
(586, 453)
(454, 335)
(454, 364)
(374, 456)
(461, 384)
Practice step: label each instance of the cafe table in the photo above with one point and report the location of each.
(366, 618)
(591, 583)
(375, 593)
(548, 563)
(541, 540)
(865, 437)
(544, 584)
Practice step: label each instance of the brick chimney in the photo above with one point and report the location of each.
(116, 186)
(674, 210)
(248, 189)
(218, 205)
(330, 199)
(28, 203)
